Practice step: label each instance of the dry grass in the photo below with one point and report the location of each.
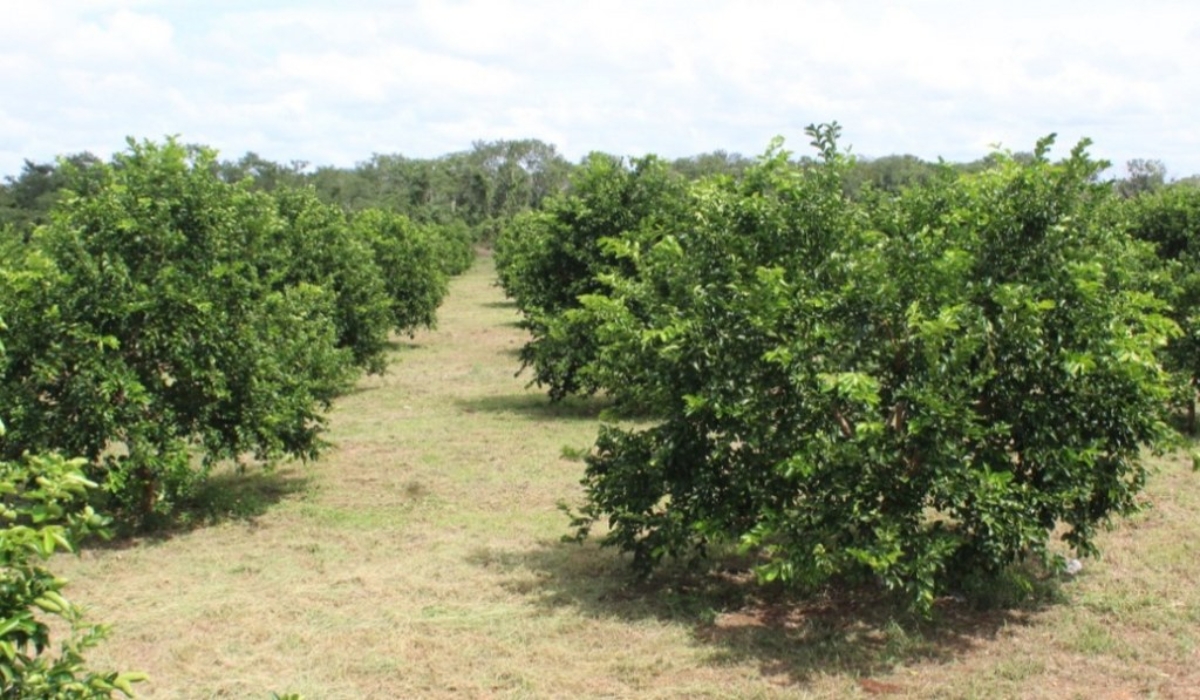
(422, 558)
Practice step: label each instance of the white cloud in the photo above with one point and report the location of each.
(334, 82)
(122, 37)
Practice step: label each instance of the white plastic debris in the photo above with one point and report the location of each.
(1073, 567)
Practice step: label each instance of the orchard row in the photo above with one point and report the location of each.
(160, 320)
(164, 319)
(913, 387)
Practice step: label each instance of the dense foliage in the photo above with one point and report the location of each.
(480, 188)
(549, 259)
(913, 391)
(410, 259)
(1169, 219)
(886, 369)
(26, 199)
(170, 312)
(316, 245)
(41, 513)
(149, 325)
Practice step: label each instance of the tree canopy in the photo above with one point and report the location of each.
(915, 389)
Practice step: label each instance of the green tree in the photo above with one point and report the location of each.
(482, 187)
(148, 331)
(516, 175)
(42, 511)
(549, 259)
(264, 174)
(316, 245)
(407, 256)
(890, 173)
(914, 394)
(1142, 176)
(26, 200)
(1169, 219)
(712, 164)
(12, 246)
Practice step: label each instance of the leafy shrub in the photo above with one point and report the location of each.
(547, 260)
(408, 260)
(42, 515)
(148, 328)
(915, 394)
(41, 512)
(454, 246)
(316, 245)
(1169, 218)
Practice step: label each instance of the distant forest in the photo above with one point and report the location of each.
(486, 185)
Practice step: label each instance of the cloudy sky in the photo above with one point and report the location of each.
(333, 82)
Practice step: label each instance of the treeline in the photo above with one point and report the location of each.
(483, 187)
(911, 381)
(475, 190)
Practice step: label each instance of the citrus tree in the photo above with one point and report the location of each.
(408, 258)
(1169, 219)
(548, 259)
(453, 246)
(41, 512)
(316, 245)
(151, 332)
(912, 392)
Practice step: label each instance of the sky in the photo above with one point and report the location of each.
(331, 83)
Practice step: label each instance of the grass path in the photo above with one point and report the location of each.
(421, 558)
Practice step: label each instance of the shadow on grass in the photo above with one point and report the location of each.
(855, 632)
(401, 344)
(537, 406)
(225, 496)
(506, 304)
(242, 495)
(360, 388)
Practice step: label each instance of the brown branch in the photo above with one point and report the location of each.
(899, 418)
(847, 429)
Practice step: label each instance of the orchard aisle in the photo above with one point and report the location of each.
(420, 557)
